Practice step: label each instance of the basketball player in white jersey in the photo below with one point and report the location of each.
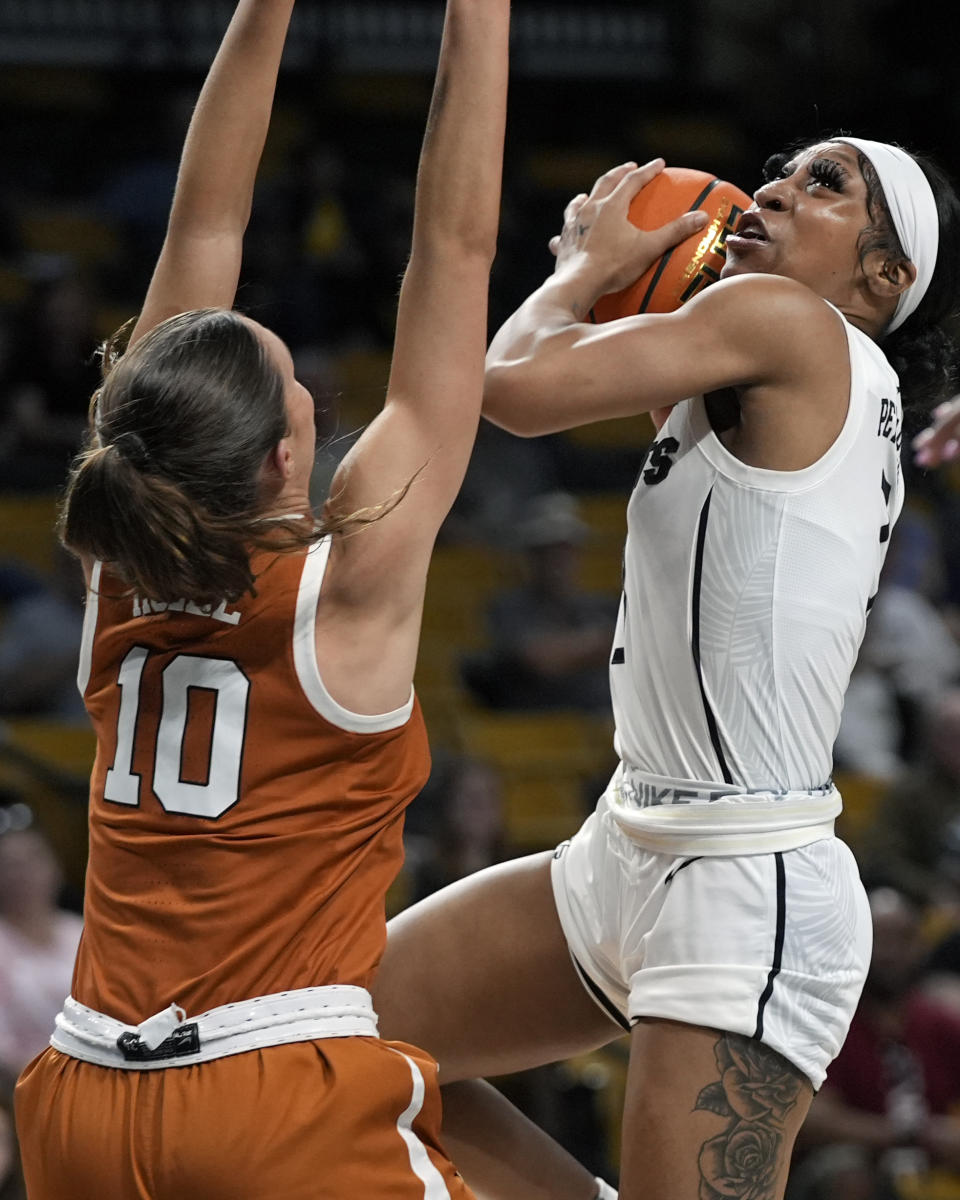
(706, 905)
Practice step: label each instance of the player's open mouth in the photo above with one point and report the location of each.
(750, 231)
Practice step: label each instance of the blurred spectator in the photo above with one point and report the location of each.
(38, 943)
(888, 1113)
(40, 640)
(549, 640)
(943, 930)
(330, 249)
(10, 243)
(460, 820)
(38, 939)
(841, 1172)
(140, 175)
(11, 1180)
(307, 265)
(49, 375)
(905, 843)
(505, 475)
(908, 657)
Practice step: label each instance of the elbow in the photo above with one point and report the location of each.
(477, 244)
(509, 401)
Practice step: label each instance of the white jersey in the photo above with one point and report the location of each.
(746, 593)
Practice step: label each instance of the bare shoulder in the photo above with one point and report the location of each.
(770, 305)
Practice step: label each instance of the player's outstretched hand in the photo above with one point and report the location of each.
(599, 238)
(940, 442)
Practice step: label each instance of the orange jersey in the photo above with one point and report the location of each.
(244, 828)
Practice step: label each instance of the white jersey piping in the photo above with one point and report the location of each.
(434, 1187)
(305, 655)
(90, 613)
(764, 479)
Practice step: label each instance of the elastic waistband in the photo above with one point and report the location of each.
(172, 1039)
(641, 789)
(672, 816)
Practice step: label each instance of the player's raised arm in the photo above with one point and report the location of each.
(199, 264)
(598, 251)
(426, 430)
(549, 368)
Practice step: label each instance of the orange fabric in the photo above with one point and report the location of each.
(272, 1123)
(286, 888)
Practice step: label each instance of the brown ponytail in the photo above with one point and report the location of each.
(152, 534)
(166, 491)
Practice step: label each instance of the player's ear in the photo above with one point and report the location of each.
(887, 276)
(278, 465)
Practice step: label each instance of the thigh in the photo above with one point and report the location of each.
(707, 1114)
(479, 974)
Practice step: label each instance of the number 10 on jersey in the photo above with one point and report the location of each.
(182, 675)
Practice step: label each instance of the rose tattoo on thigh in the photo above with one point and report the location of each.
(756, 1090)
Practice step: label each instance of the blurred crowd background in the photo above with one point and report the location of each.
(94, 100)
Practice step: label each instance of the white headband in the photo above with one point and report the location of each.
(913, 208)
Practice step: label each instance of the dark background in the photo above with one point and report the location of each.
(94, 95)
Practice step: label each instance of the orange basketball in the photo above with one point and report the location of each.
(693, 264)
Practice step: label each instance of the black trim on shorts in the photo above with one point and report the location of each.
(777, 944)
(695, 604)
(601, 997)
(686, 863)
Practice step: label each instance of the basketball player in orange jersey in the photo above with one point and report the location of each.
(248, 673)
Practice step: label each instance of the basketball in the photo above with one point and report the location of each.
(693, 264)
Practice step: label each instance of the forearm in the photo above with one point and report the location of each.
(199, 264)
(550, 314)
(458, 180)
(425, 433)
(226, 137)
(527, 381)
(436, 377)
(457, 204)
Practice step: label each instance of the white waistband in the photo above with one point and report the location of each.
(672, 816)
(172, 1039)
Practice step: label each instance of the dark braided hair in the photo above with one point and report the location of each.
(924, 351)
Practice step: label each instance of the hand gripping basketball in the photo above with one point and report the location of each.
(686, 263)
(598, 237)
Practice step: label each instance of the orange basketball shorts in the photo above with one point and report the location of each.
(334, 1119)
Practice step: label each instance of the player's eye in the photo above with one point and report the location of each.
(825, 172)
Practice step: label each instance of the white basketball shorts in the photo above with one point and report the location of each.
(772, 946)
